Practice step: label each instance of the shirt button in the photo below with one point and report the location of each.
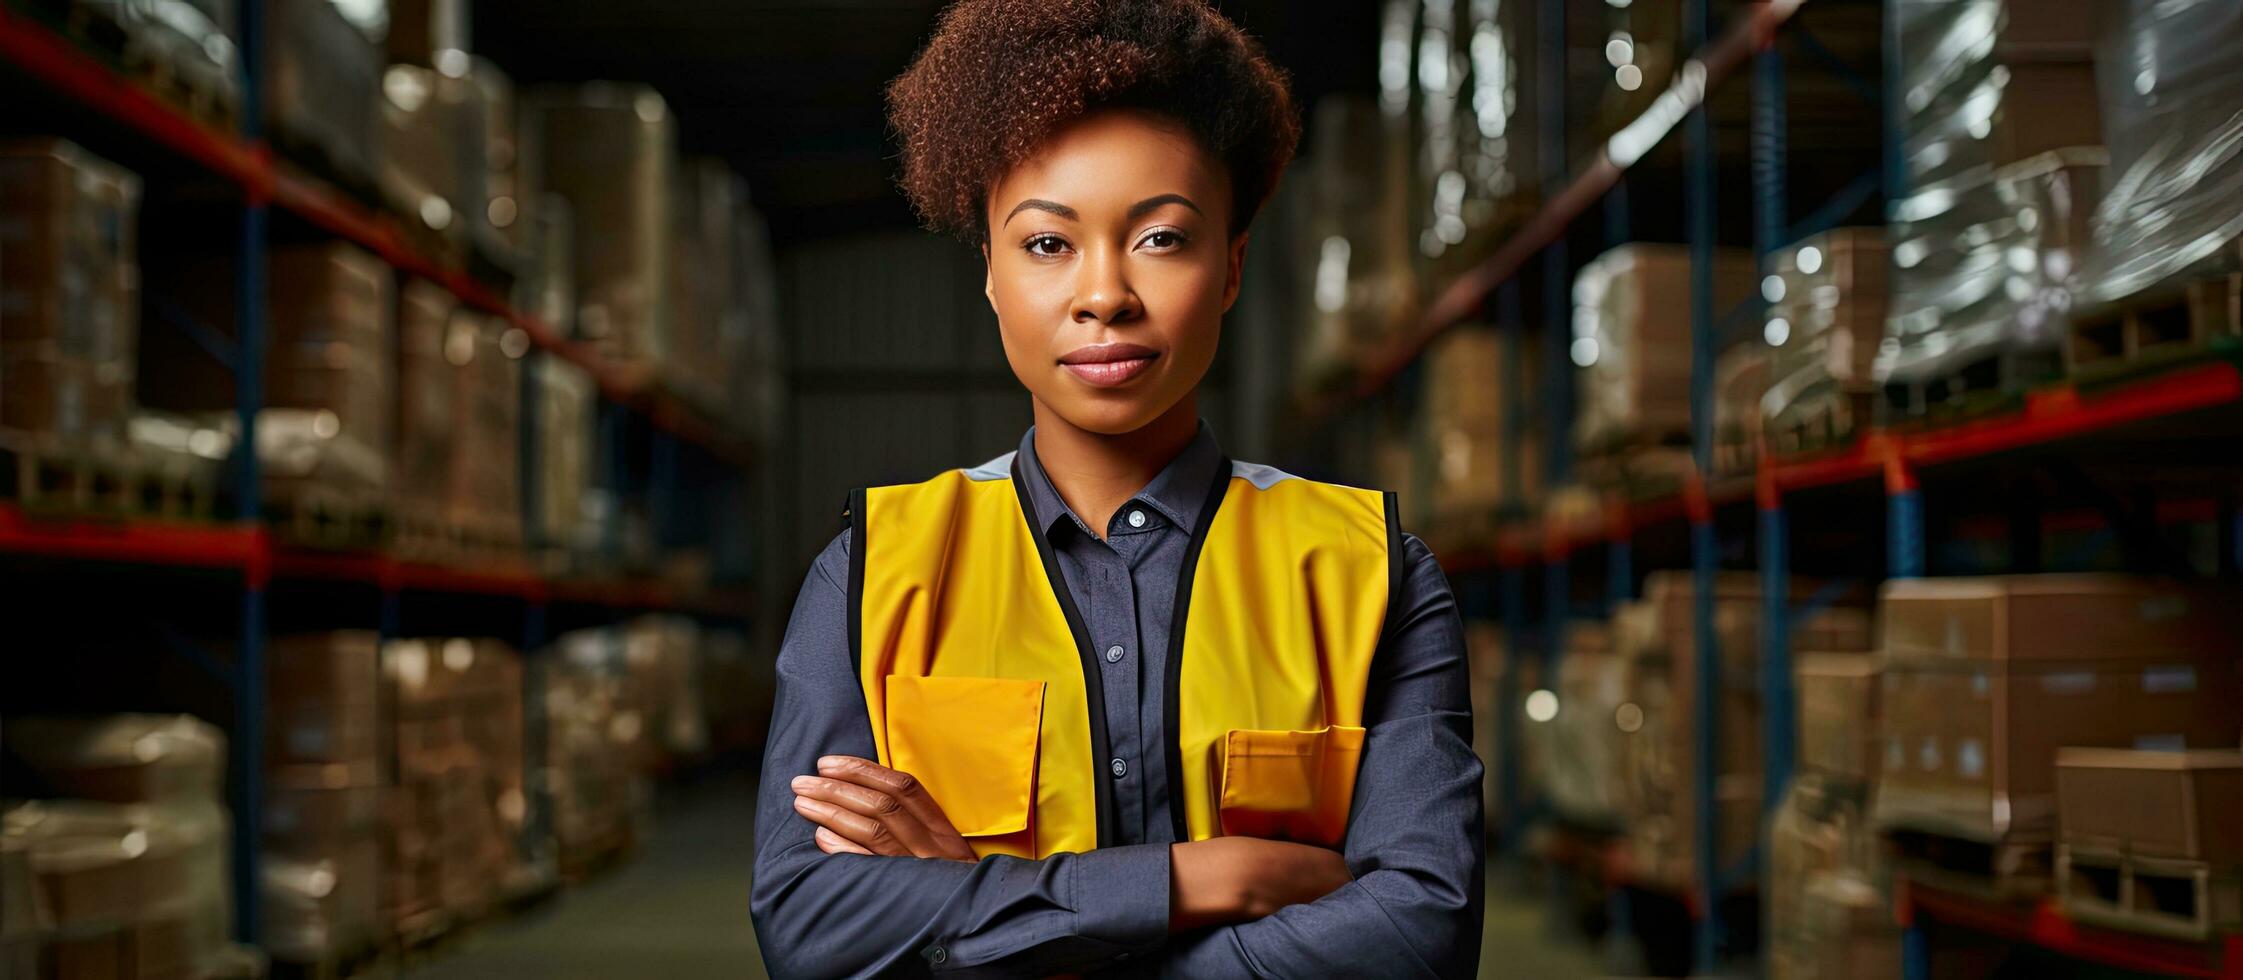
(1120, 768)
(1113, 655)
(1136, 518)
(938, 956)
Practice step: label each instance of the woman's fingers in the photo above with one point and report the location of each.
(875, 805)
(908, 792)
(833, 843)
(864, 831)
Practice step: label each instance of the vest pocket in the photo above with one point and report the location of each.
(971, 742)
(1294, 786)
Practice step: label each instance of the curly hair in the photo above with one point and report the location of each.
(999, 76)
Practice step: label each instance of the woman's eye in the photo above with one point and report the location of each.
(1046, 245)
(1163, 239)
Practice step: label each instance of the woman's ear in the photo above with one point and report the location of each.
(1237, 264)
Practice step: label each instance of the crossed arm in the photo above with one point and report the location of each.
(858, 872)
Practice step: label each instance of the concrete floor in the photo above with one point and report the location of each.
(679, 911)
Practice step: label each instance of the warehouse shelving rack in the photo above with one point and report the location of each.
(510, 599)
(1882, 471)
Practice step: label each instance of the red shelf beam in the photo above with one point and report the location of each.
(51, 60)
(221, 546)
(2044, 924)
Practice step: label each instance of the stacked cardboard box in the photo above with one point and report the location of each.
(662, 656)
(69, 292)
(327, 363)
(2003, 158)
(428, 388)
(322, 81)
(2152, 840)
(131, 865)
(1655, 642)
(1468, 398)
(1831, 882)
(1361, 283)
(1631, 337)
(1833, 292)
(708, 326)
(596, 753)
(1576, 752)
(455, 804)
(486, 451)
(610, 151)
(428, 124)
(322, 871)
(565, 446)
(1985, 678)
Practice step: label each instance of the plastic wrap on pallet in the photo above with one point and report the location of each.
(127, 758)
(610, 151)
(189, 41)
(456, 802)
(565, 456)
(1832, 293)
(69, 290)
(1830, 901)
(1631, 339)
(1472, 157)
(432, 138)
(595, 743)
(321, 906)
(1988, 267)
(501, 215)
(1576, 751)
(322, 89)
(1987, 83)
(486, 463)
(2173, 200)
(1460, 436)
(1362, 286)
(428, 401)
(133, 890)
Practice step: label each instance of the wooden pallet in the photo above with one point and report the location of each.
(1823, 422)
(2157, 328)
(311, 513)
(1993, 382)
(2015, 867)
(1637, 473)
(185, 79)
(2166, 897)
(49, 473)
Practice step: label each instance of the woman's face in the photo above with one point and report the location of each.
(1110, 268)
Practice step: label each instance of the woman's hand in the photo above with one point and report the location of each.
(1224, 880)
(862, 807)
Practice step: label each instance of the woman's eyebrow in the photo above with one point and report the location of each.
(1140, 208)
(1039, 204)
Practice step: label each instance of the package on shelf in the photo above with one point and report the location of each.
(133, 890)
(1987, 83)
(610, 151)
(429, 170)
(1472, 156)
(24, 917)
(1830, 887)
(1577, 748)
(1740, 380)
(322, 695)
(708, 326)
(69, 290)
(1986, 678)
(594, 769)
(1632, 340)
(2176, 806)
(546, 289)
(327, 378)
(455, 806)
(1989, 267)
(499, 219)
(188, 43)
(1832, 293)
(322, 95)
(429, 391)
(662, 654)
(566, 445)
(1838, 715)
(1356, 249)
(486, 466)
(1468, 402)
(2172, 121)
(319, 906)
(428, 33)
(122, 758)
(1654, 639)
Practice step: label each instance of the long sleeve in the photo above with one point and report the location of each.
(840, 915)
(1414, 839)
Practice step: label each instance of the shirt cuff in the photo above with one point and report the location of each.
(1121, 895)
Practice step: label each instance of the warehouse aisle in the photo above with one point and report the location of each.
(677, 911)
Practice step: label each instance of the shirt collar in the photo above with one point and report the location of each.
(1177, 492)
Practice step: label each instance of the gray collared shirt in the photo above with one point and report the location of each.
(1413, 842)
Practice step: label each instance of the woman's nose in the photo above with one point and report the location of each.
(1102, 292)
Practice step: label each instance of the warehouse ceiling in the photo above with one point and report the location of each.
(790, 91)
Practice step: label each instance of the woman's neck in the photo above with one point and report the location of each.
(1096, 473)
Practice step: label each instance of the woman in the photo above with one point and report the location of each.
(1115, 702)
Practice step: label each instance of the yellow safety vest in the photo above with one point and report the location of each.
(979, 677)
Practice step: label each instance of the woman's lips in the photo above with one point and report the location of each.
(1109, 365)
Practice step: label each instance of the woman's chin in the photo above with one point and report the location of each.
(1110, 416)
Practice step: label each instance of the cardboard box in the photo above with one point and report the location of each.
(123, 758)
(1838, 715)
(1970, 746)
(611, 152)
(324, 82)
(322, 697)
(1631, 337)
(2056, 617)
(1836, 295)
(69, 289)
(1461, 428)
(307, 805)
(322, 902)
(2175, 805)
